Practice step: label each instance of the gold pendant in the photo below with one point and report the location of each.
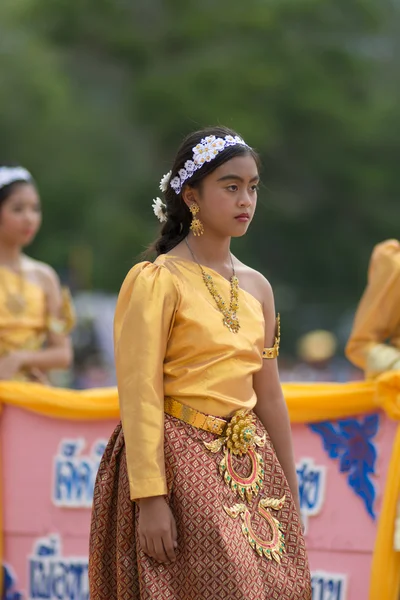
(15, 303)
(240, 439)
(272, 548)
(245, 487)
(232, 323)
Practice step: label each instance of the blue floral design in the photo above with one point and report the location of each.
(350, 441)
(9, 582)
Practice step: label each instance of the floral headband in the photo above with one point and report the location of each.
(205, 151)
(9, 175)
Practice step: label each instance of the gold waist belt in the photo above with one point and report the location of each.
(193, 417)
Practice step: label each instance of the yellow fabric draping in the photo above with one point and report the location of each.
(306, 403)
(93, 404)
(311, 402)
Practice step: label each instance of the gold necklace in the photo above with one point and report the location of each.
(230, 319)
(15, 301)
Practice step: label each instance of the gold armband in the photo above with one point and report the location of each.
(274, 351)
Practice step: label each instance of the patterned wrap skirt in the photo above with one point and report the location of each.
(220, 535)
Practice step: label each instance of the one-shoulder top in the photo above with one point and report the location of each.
(170, 341)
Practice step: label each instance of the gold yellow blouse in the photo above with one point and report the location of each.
(170, 341)
(24, 329)
(27, 328)
(374, 343)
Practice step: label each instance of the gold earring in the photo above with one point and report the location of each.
(196, 226)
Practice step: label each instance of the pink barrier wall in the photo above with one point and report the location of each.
(49, 467)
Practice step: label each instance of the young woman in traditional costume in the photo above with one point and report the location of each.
(374, 343)
(196, 496)
(35, 315)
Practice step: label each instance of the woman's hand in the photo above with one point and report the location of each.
(10, 365)
(157, 529)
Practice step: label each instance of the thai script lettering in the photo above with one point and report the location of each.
(75, 474)
(328, 586)
(311, 480)
(54, 577)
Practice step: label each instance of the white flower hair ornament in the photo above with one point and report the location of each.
(205, 151)
(9, 175)
(165, 181)
(160, 210)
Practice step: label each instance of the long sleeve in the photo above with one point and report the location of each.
(143, 322)
(378, 313)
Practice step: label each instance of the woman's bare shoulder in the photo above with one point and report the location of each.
(254, 282)
(40, 272)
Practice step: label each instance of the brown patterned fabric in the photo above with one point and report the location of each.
(214, 559)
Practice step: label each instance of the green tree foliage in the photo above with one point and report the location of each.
(96, 95)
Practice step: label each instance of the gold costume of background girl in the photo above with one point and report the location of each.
(36, 315)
